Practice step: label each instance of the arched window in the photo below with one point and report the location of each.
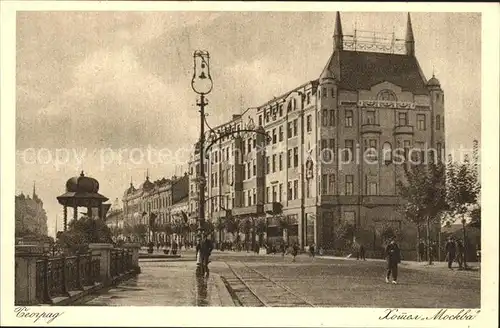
(438, 122)
(387, 153)
(387, 95)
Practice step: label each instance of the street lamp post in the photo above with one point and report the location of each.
(201, 84)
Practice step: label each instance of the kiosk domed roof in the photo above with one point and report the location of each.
(82, 184)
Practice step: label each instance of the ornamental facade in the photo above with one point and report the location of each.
(333, 143)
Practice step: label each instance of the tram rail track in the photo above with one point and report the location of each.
(250, 287)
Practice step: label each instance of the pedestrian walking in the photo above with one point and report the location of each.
(393, 256)
(421, 250)
(430, 251)
(460, 254)
(451, 249)
(355, 248)
(361, 253)
(295, 251)
(312, 250)
(203, 252)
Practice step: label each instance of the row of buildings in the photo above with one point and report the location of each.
(371, 98)
(164, 199)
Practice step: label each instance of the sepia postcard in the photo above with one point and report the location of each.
(249, 164)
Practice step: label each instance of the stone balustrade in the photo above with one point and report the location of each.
(39, 278)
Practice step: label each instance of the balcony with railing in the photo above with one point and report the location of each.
(273, 208)
(248, 210)
(374, 41)
(403, 129)
(370, 128)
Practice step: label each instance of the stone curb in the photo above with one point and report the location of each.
(224, 297)
(158, 256)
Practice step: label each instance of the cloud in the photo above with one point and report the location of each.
(113, 93)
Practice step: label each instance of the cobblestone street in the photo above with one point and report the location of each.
(246, 279)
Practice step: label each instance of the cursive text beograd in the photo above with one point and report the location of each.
(29, 313)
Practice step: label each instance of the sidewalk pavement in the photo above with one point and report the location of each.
(166, 283)
(412, 264)
(474, 271)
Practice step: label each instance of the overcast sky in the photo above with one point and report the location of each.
(87, 82)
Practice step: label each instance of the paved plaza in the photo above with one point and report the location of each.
(246, 279)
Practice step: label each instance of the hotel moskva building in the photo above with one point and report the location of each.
(371, 97)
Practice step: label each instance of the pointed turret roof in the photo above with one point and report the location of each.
(338, 25)
(409, 30)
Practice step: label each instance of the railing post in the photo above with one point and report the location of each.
(46, 281)
(90, 272)
(112, 265)
(105, 260)
(123, 266)
(134, 258)
(25, 274)
(79, 284)
(64, 277)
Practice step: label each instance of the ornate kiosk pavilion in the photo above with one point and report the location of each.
(82, 191)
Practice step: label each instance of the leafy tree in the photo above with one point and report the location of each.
(412, 214)
(246, 227)
(140, 231)
(166, 228)
(387, 231)
(475, 215)
(193, 228)
(219, 226)
(463, 192)
(177, 227)
(283, 224)
(343, 234)
(209, 227)
(231, 225)
(83, 231)
(424, 192)
(260, 229)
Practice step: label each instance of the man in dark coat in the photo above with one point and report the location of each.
(460, 253)
(312, 250)
(295, 251)
(204, 250)
(421, 251)
(362, 251)
(451, 250)
(393, 255)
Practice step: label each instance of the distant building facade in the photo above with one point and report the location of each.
(153, 198)
(115, 220)
(30, 215)
(310, 170)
